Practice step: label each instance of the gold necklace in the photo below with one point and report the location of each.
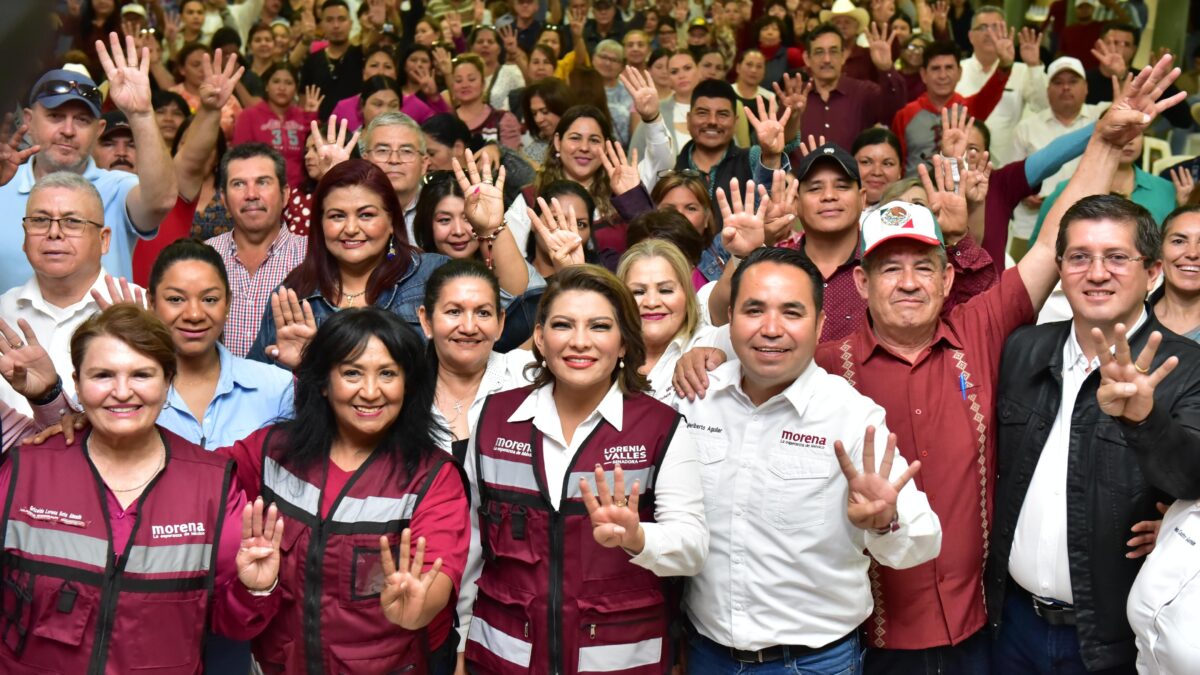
(349, 298)
(162, 462)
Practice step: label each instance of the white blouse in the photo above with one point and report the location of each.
(1164, 604)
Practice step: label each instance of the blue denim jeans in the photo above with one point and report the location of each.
(1027, 644)
(706, 657)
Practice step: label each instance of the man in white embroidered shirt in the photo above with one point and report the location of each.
(786, 580)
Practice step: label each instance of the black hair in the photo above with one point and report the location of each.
(878, 136)
(657, 54)
(402, 58)
(780, 256)
(1122, 28)
(163, 97)
(1179, 212)
(982, 128)
(249, 150)
(767, 20)
(1147, 234)
(439, 185)
(557, 189)
(906, 19)
(940, 48)
(715, 89)
(666, 21)
(223, 37)
(669, 225)
(311, 432)
(333, 3)
(275, 68)
(456, 269)
(446, 128)
(823, 29)
(182, 250)
(376, 84)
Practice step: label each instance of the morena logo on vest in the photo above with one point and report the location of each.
(176, 530)
(511, 447)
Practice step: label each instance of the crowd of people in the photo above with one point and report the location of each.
(531, 336)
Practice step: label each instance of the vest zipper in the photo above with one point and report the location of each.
(108, 598)
(556, 581)
(312, 599)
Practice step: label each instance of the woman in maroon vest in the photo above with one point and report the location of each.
(121, 547)
(556, 594)
(354, 469)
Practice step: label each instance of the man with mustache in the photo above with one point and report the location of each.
(260, 250)
(116, 150)
(63, 120)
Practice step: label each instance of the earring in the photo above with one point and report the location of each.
(391, 253)
(620, 363)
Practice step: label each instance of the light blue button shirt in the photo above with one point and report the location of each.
(114, 188)
(249, 396)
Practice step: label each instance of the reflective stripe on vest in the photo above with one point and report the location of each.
(642, 475)
(78, 548)
(609, 658)
(511, 649)
(174, 558)
(506, 473)
(375, 509)
(287, 485)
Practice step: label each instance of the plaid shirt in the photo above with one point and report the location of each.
(251, 294)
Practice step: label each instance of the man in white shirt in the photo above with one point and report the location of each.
(1066, 94)
(65, 237)
(1026, 87)
(786, 579)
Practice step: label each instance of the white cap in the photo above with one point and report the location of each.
(1093, 3)
(900, 220)
(133, 8)
(1065, 63)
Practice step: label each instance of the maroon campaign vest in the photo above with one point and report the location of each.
(551, 600)
(68, 603)
(330, 575)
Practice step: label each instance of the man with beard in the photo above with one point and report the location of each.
(63, 120)
(116, 150)
(337, 69)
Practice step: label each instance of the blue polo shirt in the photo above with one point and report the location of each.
(114, 188)
(249, 396)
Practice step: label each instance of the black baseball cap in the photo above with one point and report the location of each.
(57, 87)
(115, 121)
(829, 152)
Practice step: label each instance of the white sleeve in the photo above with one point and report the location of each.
(467, 589)
(919, 538)
(245, 15)
(518, 222)
(660, 152)
(1033, 89)
(677, 543)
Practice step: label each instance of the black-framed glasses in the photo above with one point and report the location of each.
(60, 87)
(70, 226)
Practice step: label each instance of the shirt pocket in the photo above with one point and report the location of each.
(796, 487)
(711, 452)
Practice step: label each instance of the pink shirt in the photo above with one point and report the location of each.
(287, 134)
(413, 106)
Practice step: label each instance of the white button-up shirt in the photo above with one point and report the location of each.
(1164, 604)
(675, 544)
(785, 565)
(503, 372)
(1025, 89)
(664, 368)
(1039, 561)
(53, 327)
(1033, 133)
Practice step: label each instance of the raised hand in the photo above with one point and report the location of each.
(219, 81)
(453, 21)
(957, 124)
(1005, 47)
(484, 203)
(744, 228)
(793, 94)
(641, 88)
(11, 154)
(879, 39)
(578, 19)
(1031, 46)
(119, 291)
(295, 327)
(811, 144)
(1138, 103)
(781, 206)
(405, 586)
(948, 205)
(615, 519)
(24, 363)
(171, 28)
(332, 148)
(1127, 386)
(768, 129)
(872, 498)
(1182, 179)
(622, 174)
(975, 178)
(258, 556)
(443, 61)
(313, 98)
(477, 13)
(558, 233)
(1112, 62)
(941, 14)
(128, 75)
(508, 37)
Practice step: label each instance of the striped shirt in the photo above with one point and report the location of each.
(251, 293)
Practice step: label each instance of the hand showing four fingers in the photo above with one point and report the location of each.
(614, 515)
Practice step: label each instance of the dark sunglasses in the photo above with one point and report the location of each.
(60, 87)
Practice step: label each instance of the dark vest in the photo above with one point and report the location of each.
(68, 603)
(551, 600)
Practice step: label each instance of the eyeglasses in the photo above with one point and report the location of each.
(915, 47)
(1113, 262)
(70, 226)
(60, 87)
(383, 153)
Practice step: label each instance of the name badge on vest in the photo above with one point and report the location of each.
(55, 515)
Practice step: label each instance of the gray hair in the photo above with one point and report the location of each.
(70, 181)
(611, 46)
(390, 119)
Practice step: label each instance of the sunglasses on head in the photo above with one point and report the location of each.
(60, 87)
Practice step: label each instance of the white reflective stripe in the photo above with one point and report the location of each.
(375, 509)
(496, 641)
(643, 477)
(608, 658)
(168, 559)
(49, 543)
(288, 486)
(506, 473)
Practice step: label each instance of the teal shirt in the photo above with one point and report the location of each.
(1155, 194)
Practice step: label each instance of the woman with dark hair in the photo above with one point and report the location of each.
(379, 94)
(419, 84)
(89, 22)
(544, 103)
(500, 76)
(278, 122)
(471, 104)
(1176, 303)
(377, 61)
(751, 67)
(558, 583)
(123, 594)
(769, 33)
(191, 65)
(880, 161)
(260, 50)
(660, 73)
(356, 471)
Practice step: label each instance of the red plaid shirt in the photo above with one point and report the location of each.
(251, 294)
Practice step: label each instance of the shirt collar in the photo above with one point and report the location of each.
(1073, 355)
(541, 409)
(729, 376)
(30, 294)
